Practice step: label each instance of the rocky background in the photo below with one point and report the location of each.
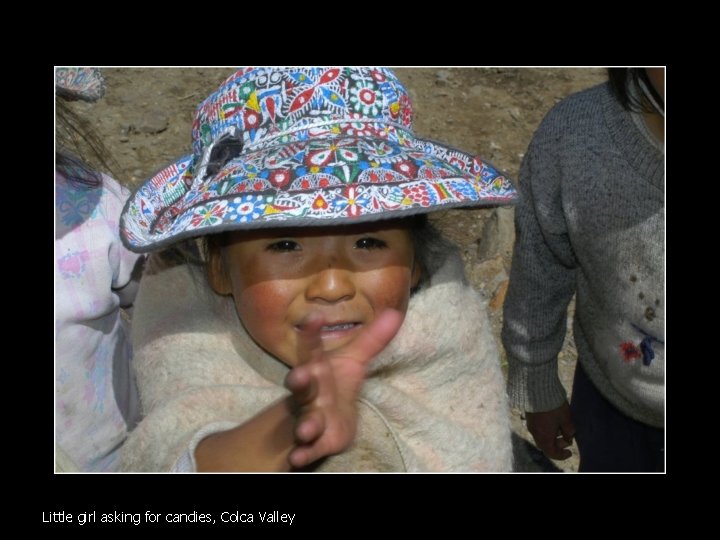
(146, 115)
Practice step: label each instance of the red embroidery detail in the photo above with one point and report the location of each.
(280, 177)
(630, 351)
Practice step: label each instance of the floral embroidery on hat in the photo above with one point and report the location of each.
(319, 143)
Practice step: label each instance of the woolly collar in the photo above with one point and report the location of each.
(434, 399)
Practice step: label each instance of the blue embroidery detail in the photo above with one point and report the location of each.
(647, 351)
(646, 346)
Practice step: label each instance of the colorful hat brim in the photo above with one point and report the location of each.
(312, 182)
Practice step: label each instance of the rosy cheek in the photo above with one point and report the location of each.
(258, 301)
(263, 308)
(391, 288)
(264, 313)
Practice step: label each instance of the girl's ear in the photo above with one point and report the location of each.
(217, 277)
(417, 273)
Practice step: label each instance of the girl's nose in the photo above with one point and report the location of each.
(331, 282)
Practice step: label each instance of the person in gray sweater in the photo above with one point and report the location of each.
(591, 223)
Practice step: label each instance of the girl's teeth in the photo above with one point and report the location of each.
(335, 327)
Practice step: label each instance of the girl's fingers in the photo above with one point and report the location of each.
(310, 427)
(309, 342)
(375, 337)
(302, 384)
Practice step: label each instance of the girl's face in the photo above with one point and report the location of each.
(347, 275)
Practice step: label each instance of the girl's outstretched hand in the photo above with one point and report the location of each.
(326, 385)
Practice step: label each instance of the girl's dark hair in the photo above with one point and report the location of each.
(430, 247)
(621, 79)
(76, 145)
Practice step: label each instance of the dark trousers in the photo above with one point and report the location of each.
(608, 440)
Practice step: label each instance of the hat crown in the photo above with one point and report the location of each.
(265, 104)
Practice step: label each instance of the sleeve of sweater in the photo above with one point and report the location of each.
(542, 283)
(191, 380)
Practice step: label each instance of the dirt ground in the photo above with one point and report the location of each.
(146, 115)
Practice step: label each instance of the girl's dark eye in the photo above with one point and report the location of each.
(370, 243)
(284, 245)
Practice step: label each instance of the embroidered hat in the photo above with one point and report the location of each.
(75, 83)
(287, 147)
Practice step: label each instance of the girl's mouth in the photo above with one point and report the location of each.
(338, 327)
(339, 331)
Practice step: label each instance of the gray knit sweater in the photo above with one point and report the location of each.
(590, 221)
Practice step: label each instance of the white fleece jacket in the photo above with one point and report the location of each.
(434, 399)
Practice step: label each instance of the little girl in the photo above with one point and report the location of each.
(333, 329)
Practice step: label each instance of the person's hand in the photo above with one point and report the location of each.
(553, 431)
(326, 385)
